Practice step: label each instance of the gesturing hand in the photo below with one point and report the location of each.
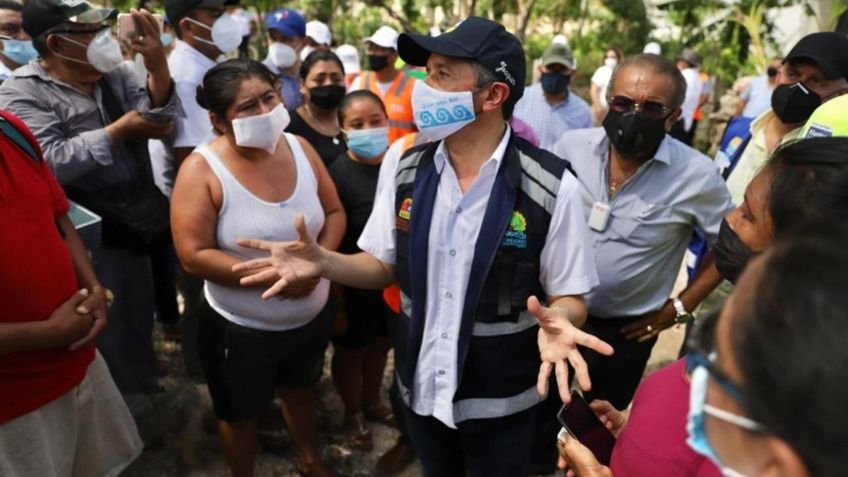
(292, 262)
(558, 340)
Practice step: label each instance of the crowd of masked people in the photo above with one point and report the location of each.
(432, 203)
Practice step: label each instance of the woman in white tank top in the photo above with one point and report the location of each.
(251, 181)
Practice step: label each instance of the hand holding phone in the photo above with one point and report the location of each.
(580, 422)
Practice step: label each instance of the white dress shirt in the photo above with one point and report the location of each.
(567, 266)
(187, 67)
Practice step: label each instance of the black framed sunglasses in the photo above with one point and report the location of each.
(648, 109)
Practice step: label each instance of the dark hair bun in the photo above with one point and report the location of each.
(200, 97)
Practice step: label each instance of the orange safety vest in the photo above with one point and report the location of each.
(391, 294)
(398, 102)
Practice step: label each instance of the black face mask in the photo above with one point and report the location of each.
(731, 253)
(327, 97)
(794, 103)
(631, 134)
(554, 83)
(377, 62)
(771, 71)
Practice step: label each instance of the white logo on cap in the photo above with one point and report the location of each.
(506, 73)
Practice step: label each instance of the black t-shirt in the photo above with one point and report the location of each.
(356, 184)
(327, 149)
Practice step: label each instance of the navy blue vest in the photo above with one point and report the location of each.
(498, 356)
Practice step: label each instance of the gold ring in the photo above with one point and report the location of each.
(649, 328)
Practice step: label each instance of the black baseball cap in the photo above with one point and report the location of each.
(827, 49)
(175, 10)
(39, 16)
(475, 38)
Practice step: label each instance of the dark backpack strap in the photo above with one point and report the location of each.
(16, 131)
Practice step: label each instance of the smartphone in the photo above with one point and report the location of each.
(127, 26)
(581, 423)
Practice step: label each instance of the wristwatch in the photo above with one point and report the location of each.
(682, 315)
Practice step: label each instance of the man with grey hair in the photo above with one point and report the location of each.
(643, 194)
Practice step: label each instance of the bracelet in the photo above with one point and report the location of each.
(110, 297)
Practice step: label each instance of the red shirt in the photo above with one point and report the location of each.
(654, 440)
(36, 276)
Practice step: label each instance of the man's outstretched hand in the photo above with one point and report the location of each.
(292, 262)
(558, 341)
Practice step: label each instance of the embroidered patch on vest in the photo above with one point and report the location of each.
(515, 235)
(405, 212)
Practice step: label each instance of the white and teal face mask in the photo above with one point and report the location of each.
(438, 114)
(699, 409)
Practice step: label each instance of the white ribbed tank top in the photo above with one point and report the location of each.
(243, 215)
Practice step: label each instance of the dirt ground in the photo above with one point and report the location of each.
(195, 453)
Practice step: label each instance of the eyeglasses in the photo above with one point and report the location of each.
(697, 358)
(648, 109)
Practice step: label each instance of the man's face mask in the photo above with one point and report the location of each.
(794, 103)
(103, 53)
(632, 132)
(438, 114)
(554, 83)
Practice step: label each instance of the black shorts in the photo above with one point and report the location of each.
(243, 366)
(366, 318)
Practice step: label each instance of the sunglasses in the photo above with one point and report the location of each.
(648, 109)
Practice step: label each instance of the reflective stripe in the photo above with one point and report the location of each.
(401, 124)
(407, 169)
(405, 304)
(489, 408)
(525, 321)
(537, 193)
(540, 175)
(398, 91)
(482, 408)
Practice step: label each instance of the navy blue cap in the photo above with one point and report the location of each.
(475, 38)
(286, 21)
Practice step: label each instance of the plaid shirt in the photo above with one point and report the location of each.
(551, 121)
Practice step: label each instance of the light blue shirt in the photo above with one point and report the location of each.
(289, 86)
(548, 121)
(565, 262)
(639, 252)
(757, 97)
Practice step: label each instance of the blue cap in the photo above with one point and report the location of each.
(286, 21)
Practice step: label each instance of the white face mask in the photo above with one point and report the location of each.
(306, 51)
(438, 114)
(610, 62)
(282, 55)
(103, 53)
(262, 131)
(226, 33)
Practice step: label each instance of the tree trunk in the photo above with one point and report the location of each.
(525, 20)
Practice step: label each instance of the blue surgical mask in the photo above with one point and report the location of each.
(368, 144)
(698, 411)
(19, 51)
(166, 39)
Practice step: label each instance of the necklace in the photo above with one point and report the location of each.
(321, 128)
(615, 185)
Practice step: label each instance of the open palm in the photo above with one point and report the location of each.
(558, 340)
(293, 262)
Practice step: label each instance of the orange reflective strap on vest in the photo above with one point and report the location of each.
(398, 102)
